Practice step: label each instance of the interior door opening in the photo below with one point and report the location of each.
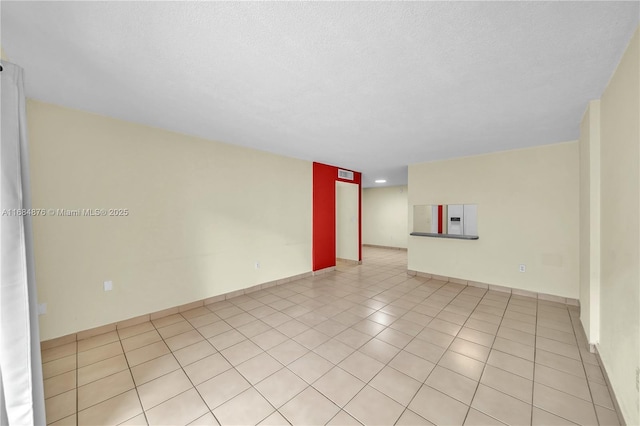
(347, 222)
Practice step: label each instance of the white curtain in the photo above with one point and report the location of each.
(21, 386)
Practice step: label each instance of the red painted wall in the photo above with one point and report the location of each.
(324, 214)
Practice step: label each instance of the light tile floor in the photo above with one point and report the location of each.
(366, 344)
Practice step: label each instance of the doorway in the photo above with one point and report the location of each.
(347, 222)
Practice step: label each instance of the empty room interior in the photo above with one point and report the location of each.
(320, 213)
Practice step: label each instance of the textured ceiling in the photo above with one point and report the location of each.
(370, 86)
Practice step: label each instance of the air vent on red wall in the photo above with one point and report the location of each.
(345, 174)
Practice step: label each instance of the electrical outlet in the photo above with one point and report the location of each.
(108, 285)
(522, 267)
(42, 308)
(257, 265)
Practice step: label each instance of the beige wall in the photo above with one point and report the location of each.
(527, 214)
(590, 222)
(384, 216)
(347, 241)
(201, 213)
(620, 230)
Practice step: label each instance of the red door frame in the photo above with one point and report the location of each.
(324, 214)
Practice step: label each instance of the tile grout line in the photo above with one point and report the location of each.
(386, 327)
(387, 364)
(445, 349)
(586, 376)
(276, 410)
(234, 367)
(88, 383)
(182, 367)
(558, 390)
(124, 354)
(535, 357)
(108, 375)
(162, 339)
(129, 366)
(486, 361)
(340, 409)
(310, 385)
(434, 363)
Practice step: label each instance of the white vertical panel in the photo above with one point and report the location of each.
(455, 211)
(470, 219)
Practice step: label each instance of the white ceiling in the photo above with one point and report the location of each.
(371, 86)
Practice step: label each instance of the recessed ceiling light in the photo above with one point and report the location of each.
(381, 181)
